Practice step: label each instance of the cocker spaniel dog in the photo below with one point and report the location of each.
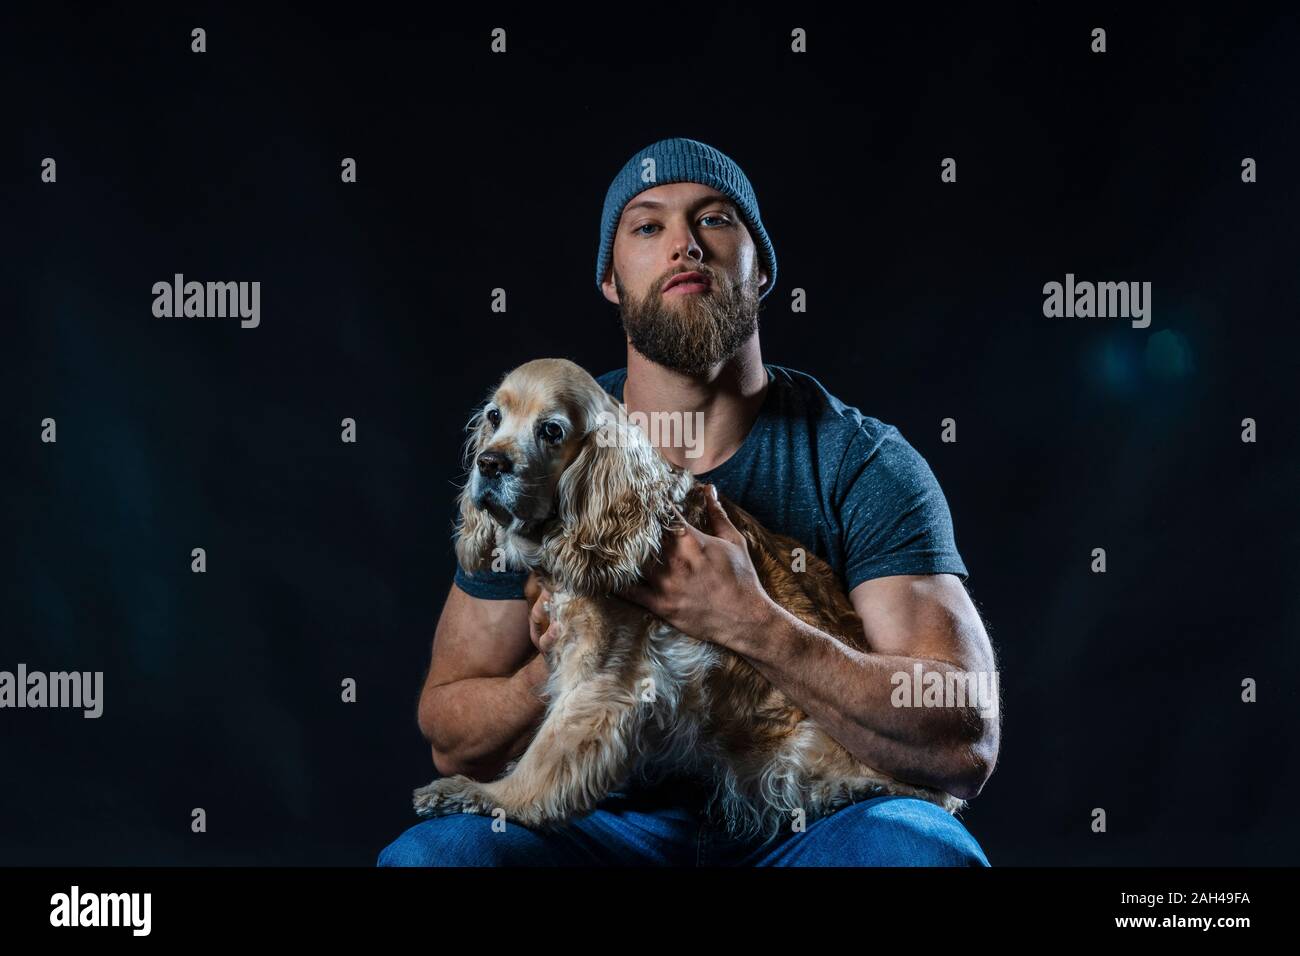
(562, 485)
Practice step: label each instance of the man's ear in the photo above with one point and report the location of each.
(607, 287)
(613, 506)
(476, 531)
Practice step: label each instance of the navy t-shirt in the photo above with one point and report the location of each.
(845, 485)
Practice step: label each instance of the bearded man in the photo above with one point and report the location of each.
(685, 256)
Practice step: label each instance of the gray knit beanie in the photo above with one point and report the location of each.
(681, 160)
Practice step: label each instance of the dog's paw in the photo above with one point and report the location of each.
(448, 795)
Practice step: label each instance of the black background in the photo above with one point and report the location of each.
(328, 560)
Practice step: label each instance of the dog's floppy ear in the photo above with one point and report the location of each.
(613, 506)
(476, 532)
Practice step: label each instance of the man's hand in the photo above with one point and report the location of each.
(705, 585)
(539, 618)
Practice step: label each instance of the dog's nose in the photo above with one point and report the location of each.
(492, 463)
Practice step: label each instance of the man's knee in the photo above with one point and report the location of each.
(907, 831)
(465, 839)
(885, 831)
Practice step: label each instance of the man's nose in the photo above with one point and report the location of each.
(687, 248)
(493, 463)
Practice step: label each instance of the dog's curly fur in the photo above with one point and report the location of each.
(629, 696)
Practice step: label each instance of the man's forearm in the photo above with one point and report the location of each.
(480, 724)
(848, 692)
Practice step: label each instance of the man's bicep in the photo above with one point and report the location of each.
(927, 616)
(478, 637)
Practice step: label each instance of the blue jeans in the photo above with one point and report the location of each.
(666, 827)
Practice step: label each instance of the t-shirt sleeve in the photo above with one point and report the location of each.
(492, 585)
(894, 514)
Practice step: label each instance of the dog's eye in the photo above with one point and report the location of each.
(494, 417)
(550, 431)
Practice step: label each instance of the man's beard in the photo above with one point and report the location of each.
(697, 332)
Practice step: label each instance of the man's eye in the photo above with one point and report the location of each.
(494, 417)
(551, 431)
(724, 220)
